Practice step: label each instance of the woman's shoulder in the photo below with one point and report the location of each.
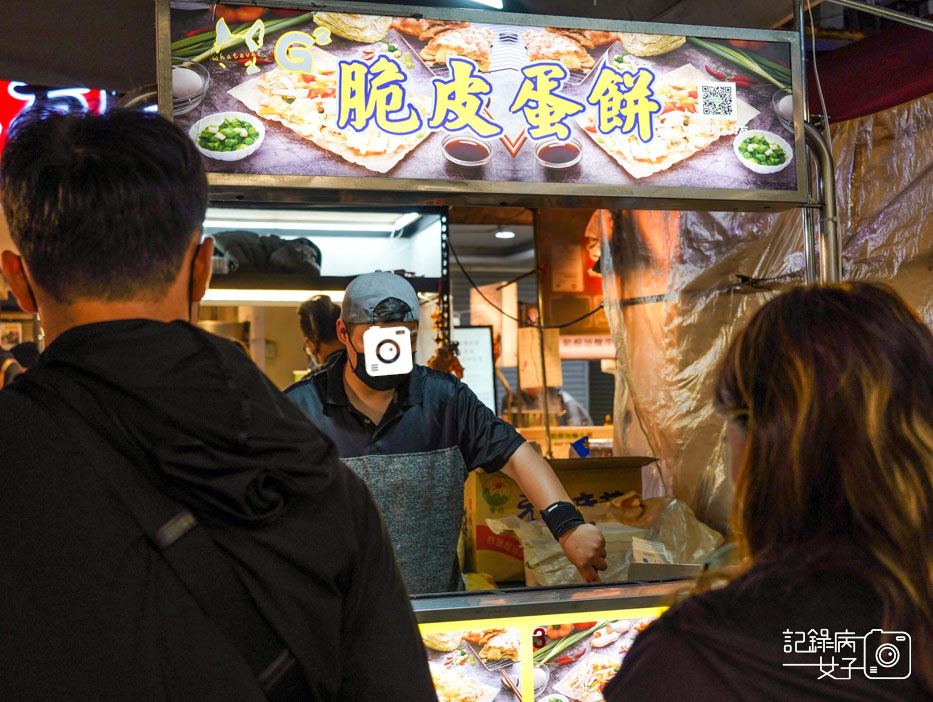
(761, 636)
(813, 585)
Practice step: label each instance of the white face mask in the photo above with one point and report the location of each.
(313, 362)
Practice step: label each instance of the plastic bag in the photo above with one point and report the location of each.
(663, 519)
(546, 560)
(687, 538)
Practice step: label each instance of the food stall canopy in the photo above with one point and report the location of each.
(111, 46)
(896, 54)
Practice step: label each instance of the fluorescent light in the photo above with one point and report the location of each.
(505, 234)
(405, 220)
(495, 4)
(265, 298)
(304, 226)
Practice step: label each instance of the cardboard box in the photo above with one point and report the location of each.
(587, 481)
(562, 437)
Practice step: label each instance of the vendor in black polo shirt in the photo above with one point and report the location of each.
(413, 438)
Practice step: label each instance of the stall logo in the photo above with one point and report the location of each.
(880, 655)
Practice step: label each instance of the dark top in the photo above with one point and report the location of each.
(89, 611)
(736, 643)
(415, 461)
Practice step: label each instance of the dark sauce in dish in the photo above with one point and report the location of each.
(467, 150)
(558, 154)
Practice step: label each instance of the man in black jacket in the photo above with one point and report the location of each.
(94, 603)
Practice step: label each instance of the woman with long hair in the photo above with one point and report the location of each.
(828, 400)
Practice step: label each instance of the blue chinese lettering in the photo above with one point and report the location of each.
(368, 92)
(539, 102)
(625, 101)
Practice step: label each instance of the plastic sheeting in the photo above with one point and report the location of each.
(680, 301)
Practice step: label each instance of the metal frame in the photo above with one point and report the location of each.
(444, 336)
(886, 13)
(163, 23)
(381, 190)
(543, 601)
(823, 261)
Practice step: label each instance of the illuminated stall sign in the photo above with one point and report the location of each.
(17, 98)
(492, 106)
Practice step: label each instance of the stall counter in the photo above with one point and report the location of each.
(535, 644)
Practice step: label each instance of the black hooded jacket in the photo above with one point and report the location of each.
(90, 611)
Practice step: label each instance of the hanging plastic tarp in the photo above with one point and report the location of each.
(688, 280)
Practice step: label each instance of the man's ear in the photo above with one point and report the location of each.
(201, 269)
(343, 333)
(15, 273)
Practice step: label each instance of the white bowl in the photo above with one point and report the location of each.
(215, 120)
(183, 105)
(547, 677)
(770, 136)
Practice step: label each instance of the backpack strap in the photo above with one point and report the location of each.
(174, 531)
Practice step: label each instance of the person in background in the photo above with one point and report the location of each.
(17, 361)
(26, 354)
(9, 368)
(318, 317)
(570, 412)
(171, 526)
(414, 437)
(828, 399)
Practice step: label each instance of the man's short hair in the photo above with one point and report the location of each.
(318, 318)
(388, 311)
(102, 207)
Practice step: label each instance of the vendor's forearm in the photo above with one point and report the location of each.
(535, 477)
(583, 543)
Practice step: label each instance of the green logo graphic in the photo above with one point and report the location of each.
(496, 492)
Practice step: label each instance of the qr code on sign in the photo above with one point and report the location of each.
(718, 100)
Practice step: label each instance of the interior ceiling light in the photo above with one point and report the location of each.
(262, 298)
(494, 4)
(302, 226)
(406, 219)
(505, 234)
(307, 220)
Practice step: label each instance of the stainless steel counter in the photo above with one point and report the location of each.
(492, 604)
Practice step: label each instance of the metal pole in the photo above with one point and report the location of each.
(884, 12)
(830, 251)
(164, 57)
(811, 272)
(809, 239)
(547, 405)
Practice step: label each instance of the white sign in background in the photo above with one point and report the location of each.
(475, 354)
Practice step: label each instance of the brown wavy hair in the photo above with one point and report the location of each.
(834, 387)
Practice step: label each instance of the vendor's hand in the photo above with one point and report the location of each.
(586, 549)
